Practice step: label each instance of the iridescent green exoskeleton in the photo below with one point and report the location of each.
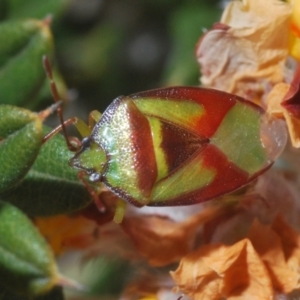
(179, 146)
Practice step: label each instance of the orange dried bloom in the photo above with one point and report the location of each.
(247, 53)
(265, 263)
(215, 271)
(65, 232)
(284, 101)
(163, 241)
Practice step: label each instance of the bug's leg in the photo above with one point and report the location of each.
(120, 205)
(94, 117)
(84, 130)
(73, 143)
(120, 211)
(56, 97)
(100, 205)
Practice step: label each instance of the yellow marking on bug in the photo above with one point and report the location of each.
(193, 176)
(161, 163)
(180, 112)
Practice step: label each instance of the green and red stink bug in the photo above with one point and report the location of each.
(178, 145)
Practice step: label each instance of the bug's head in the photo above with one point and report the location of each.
(90, 158)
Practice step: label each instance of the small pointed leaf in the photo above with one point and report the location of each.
(22, 45)
(27, 264)
(51, 186)
(18, 152)
(13, 118)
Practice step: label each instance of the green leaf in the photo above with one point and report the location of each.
(51, 186)
(22, 45)
(18, 152)
(13, 118)
(27, 264)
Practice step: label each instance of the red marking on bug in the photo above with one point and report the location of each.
(215, 103)
(228, 178)
(143, 150)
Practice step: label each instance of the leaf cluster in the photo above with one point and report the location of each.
(35, 179)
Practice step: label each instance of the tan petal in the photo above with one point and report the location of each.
(156, 237)
(274, 107)
(274, 99)
(163, 241)
(293, 125)
(216, 270)
(290, 240)
(248, 56)
(268, 245)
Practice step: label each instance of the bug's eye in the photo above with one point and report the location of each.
(86, 142)
(95, 177)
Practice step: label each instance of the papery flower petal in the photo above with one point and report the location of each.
(270, 247)
(163, 241)
(232, 229)
(75, 232)
(284, 101)
(248, 55)
(232, 272)
(280, 195)
(275, 98)
(155, 238)
(290, 240)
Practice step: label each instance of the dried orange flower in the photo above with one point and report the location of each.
(247, 52)
(217, 271)
(65, 232)
(265, 263)
(162, 240)
(284, 101)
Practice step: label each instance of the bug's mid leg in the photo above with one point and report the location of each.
(94, 117)
(120, 211)
(100, 205)
(120, 205)
(73, 143)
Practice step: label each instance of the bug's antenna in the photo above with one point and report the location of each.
(55, 95)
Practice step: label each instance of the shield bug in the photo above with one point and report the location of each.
(178, 145)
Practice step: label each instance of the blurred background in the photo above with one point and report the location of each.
(108, 48)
